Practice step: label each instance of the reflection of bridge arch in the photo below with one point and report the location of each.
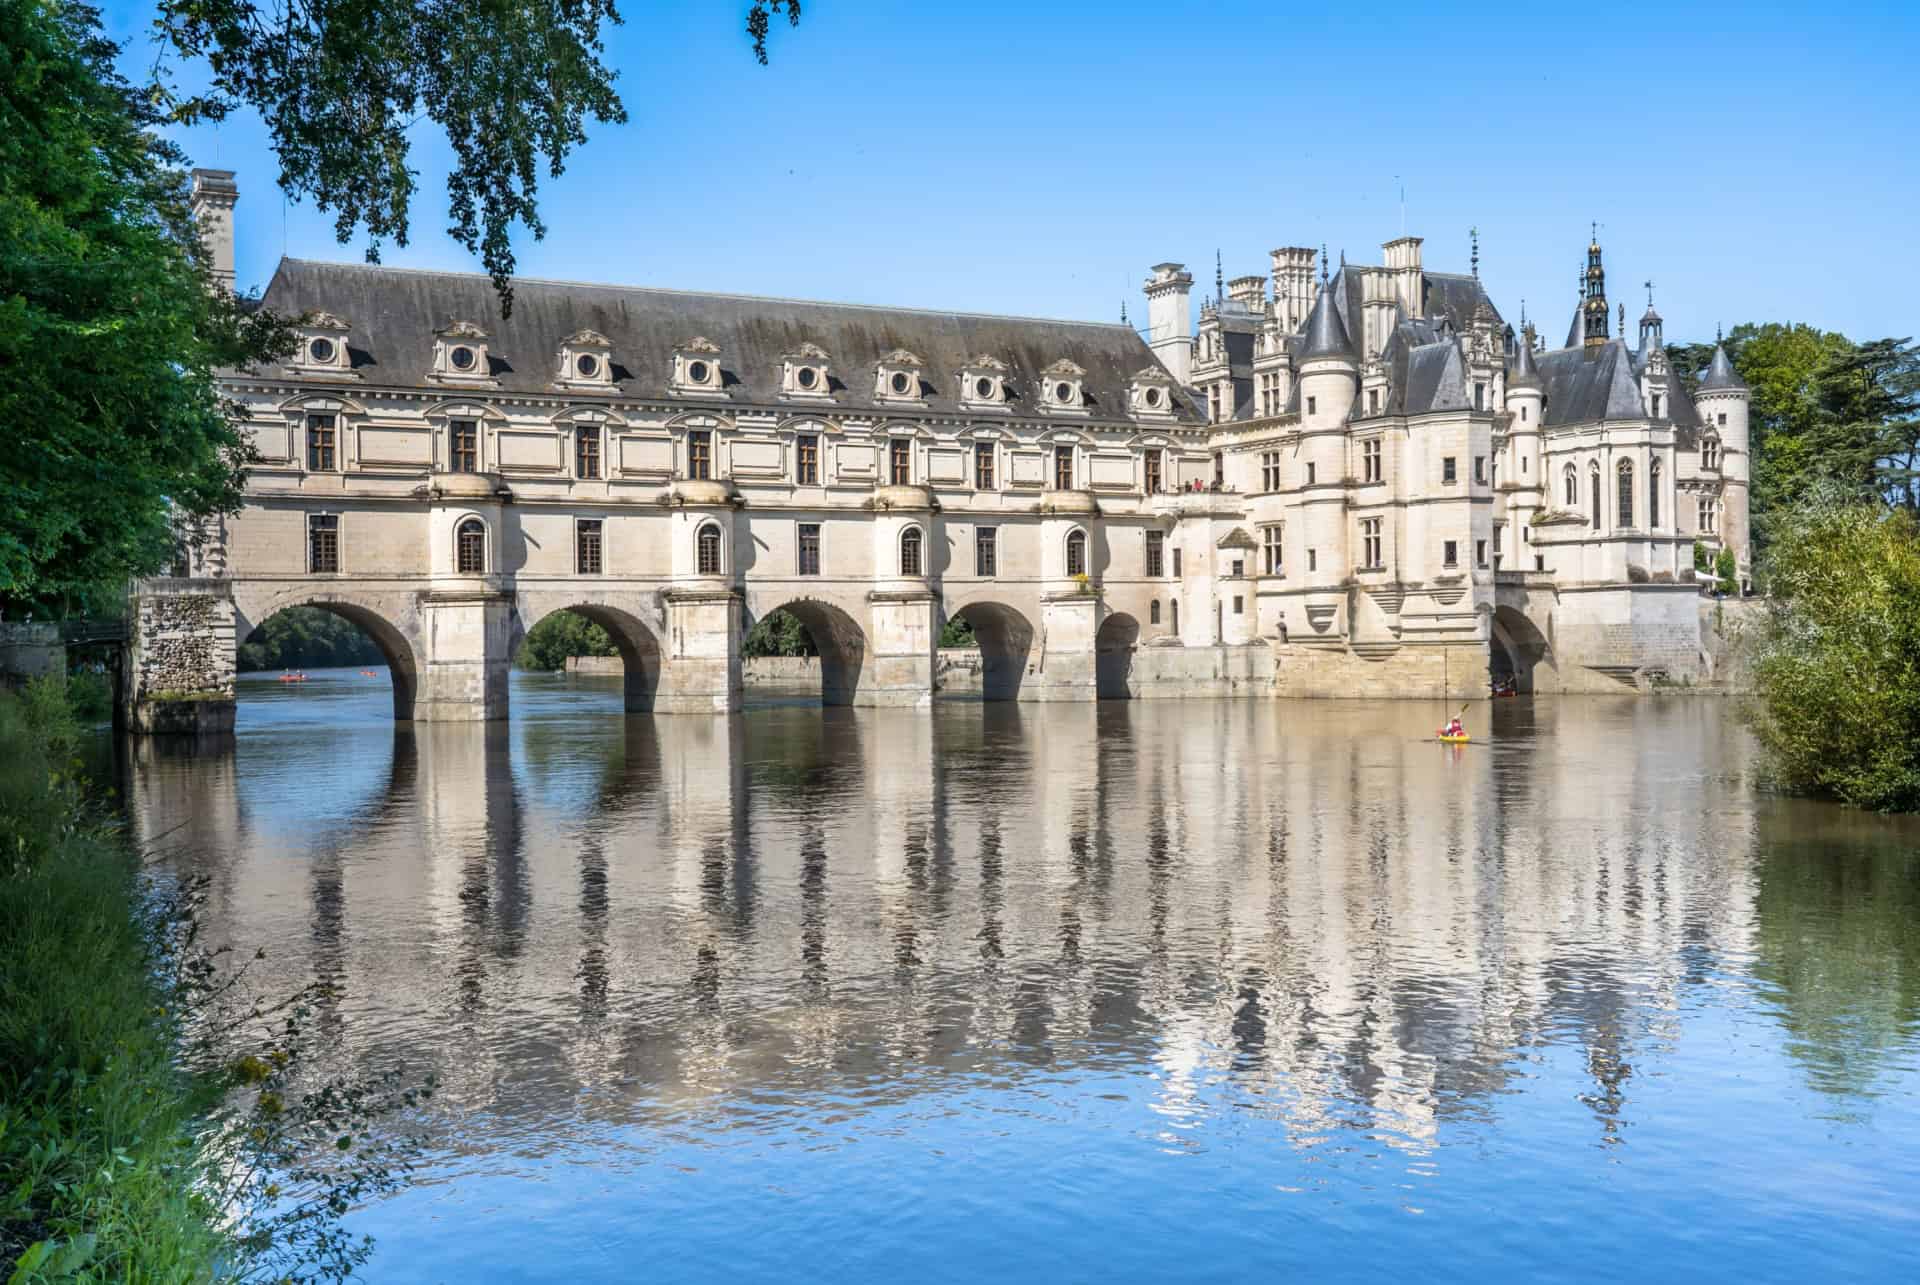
(1518, 646)
(389, 620)
(1113, 648)
(638, 645)
(836, 635)
(1006, 638)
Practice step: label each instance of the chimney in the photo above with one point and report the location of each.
(1249, 292)
(214, 196)
(1170, 319)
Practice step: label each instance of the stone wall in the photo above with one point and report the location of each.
(28, 650)
(1422, 671)
(180, 658)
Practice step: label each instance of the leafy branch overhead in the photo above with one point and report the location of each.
(341, 85)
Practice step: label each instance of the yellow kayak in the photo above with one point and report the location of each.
(1461, 739)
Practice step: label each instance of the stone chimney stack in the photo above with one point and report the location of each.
(214, 196)
(1170, 319)
(1403, 261)
(1294, 286)
(1249, 292)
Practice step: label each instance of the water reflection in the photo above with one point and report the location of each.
(874, 952)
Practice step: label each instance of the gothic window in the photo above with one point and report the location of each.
(1174, 607)
(1271, 549)
(1653, 495)
(1156, 554)
(1076, 553)
(807, 545)
(1370, 460)
(1370, 551)
(587, 546)
(1593, 475)
(1153, 612)
(983, 466)
(700, 454)
(899, 461)
(463, 446)
(985, 552)
(323, 543)
(910, 561)
(470, 547)
(321, 442)
(1155, 482)
(1176, 562)
(706, 551)
(1573, 487)
(1626, 493)
(586, 451)
(1063, 468)
(806, 460)
(1709, 517)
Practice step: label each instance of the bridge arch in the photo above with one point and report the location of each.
(1006, 638)
(641, 658)
(1519, 648)
(1113, 648)
(390, 625)
(837, 635)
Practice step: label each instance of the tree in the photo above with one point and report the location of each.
(1837, 657)
(341, 83)
(560, 635)
(1867, 435)
(109, 332)
(308, 638)
(958, 633)
(778, 633)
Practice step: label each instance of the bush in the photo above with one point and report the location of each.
(90, 696)
(1727, 571)
(1837, 658)
(560, 635)
(778, 633)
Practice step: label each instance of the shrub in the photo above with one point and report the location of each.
(560, 635)
(1837, 657)
(1726, 570)
(90, 696)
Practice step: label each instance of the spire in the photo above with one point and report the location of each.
(1524, 372)
(1219, 279)
(1323, 263)
(1720, 371)
(1123, 312)
(1594, 308)
(1326, 334)
(1474, 233)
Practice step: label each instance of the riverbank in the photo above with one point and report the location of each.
(98, 1121)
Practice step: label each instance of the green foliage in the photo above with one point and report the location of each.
(1837, 672)
(958, 633)
(1726, 569)
(109, 335)
(342, 86)
(778, 633)
(1702, 557)
(90, 696)
(308, 638)
(560, 635)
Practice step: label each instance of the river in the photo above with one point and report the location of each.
(1194, 990)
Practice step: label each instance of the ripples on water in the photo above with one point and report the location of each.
(1131, 991)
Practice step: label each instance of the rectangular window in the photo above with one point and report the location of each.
(1722, 419)
(1479, 396)
(1270, 550)
(1480, 469)
(700, 454)
(1063, 468)
(1176, 562)
(1309, 473)
(1373, 401)
(1270, 470)
(806, 460)
(1451, 554)
(1312, 404)
(586, 453)
(320, 443)
(1497, 528)
(983, 466)
(900, 461)
(1219, 470)
(1239, 605)
(1213, 403)
(1370, 551)
(587, 547)
(1156, 554)
(1479, 553)
(323, 543)
(1313, 559)
(1370, 454)
(1155, 481)
(1656, 405)
(1238, 570)
(1523, 414)
(807, 549)
(463, 446)
(986, 552)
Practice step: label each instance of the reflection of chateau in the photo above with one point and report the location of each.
(1359, 483)
(695, 908)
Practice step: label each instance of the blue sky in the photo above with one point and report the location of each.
(1756, 162)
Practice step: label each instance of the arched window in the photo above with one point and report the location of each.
(1653, 494)
(1626, 493)
(910, 551)
(706, 548)
(1153, 612)
(1076, 553)
(1573, 488)
(1175, 605)
(1593, 473)
(470, 547)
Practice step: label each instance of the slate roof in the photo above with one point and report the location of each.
(1584, 385)
(1326, 335)
(1720, 371)
(394, 313)
(1524, 372)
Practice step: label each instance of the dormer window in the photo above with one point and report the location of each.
(983, 382)
(807, 373)
(897, 377)
(585, 361)
(460, 354)
(696, 367)
(1150, 393)
(323, 346)
(1061, 387)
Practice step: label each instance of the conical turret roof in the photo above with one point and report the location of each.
(1524, 373)
(1720, 371)
(1326, 334)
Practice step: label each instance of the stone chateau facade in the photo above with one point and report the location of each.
(1361, 483)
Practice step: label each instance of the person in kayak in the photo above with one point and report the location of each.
(1454, 727)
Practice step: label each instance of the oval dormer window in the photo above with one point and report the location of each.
(1063, 393)
(587, 364)
(321, 350)
(900, 382)
(983, 388)
(807, 377)
(1153, 397)
(462, 358)
(697, 372)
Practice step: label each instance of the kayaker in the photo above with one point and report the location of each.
(1454, 728)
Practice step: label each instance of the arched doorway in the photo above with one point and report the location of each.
(1005, 638)
(343, 639)
(1518, 649)
(633, 642)
(1113, 648)
(834, 643)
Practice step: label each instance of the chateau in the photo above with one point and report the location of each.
(1356, 483)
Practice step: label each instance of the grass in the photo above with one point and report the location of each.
(98, 1121)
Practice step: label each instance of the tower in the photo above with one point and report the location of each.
(214, 196)
(1723, 400)
(1170, 319)
(1594, 308)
